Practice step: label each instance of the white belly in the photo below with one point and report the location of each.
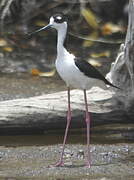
(72, 75)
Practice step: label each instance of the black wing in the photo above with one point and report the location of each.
(91, 71)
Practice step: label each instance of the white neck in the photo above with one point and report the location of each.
(60, 42)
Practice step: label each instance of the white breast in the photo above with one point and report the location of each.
(69, 72)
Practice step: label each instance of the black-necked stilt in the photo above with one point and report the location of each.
(76, 73)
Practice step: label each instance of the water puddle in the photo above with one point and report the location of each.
(104, 134)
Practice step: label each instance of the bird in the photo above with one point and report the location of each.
(76, 73)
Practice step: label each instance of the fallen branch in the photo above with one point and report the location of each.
(49, 111)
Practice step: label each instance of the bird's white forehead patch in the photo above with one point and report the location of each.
(51, 20)
(59, 17)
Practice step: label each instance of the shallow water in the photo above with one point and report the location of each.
(104, 134)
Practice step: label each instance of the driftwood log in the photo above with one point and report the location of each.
(41, 113)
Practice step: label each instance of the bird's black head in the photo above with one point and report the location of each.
(57, 21)
(59, 18)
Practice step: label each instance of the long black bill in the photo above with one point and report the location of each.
(43, 28)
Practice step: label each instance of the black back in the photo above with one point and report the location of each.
(91, 71)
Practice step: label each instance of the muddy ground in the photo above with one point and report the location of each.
(109, 162)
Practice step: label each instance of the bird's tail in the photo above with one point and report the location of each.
(110, 84)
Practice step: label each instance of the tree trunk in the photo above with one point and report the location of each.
(122, 70)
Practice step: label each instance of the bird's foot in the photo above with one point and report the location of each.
(58, 164)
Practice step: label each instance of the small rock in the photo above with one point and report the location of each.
(80, 154)
(68, 163)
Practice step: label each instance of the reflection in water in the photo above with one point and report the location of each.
(104, 134)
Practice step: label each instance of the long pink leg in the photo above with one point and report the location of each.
(88, 164)
(60, 162)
